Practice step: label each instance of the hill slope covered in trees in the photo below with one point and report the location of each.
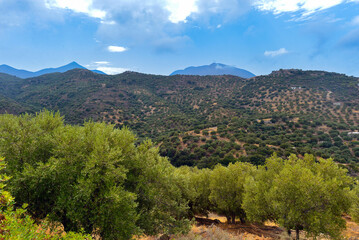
(205, 120)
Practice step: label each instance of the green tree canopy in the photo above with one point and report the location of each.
(304, 194)
(196, 189)
(227, 189)
(91, 177)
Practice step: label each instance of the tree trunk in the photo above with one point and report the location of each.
(289, 232)
(233, 218)
(67, 224)
(297, 233)
(228, 219)
(243, 221)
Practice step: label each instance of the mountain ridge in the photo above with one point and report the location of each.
(21, 73)
(214, 69)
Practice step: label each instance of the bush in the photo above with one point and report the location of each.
(17, 224)
(91, 177)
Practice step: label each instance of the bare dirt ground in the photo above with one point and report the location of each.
(268, 231)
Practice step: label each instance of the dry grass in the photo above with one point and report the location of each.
(212, 232)
(268, 231)
(352, 231)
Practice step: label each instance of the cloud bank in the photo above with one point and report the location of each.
(305, 6)
(160, 24)
(149, 13)
(80, 6)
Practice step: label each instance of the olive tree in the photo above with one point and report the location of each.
(354, 211)
(227, 189)
(91, 177)
(304, 194)
(195, 188)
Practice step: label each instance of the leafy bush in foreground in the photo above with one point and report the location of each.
(90, 177)
(16, 224)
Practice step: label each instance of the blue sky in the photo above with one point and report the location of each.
(161, 36)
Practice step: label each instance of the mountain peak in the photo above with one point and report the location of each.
(73, 63)
(218, 64)
(4, 66)
(214, 69)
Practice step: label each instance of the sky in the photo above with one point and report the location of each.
(161, 36)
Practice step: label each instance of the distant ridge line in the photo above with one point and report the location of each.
(20, 73)
(214, 69)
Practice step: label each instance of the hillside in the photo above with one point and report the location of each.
(10, 86)
(203, 120)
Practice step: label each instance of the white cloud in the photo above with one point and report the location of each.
(181, 9)
(275, 53)
(80, 6)
(113, 12)
(174, 11)
(116, 49)
(102, 63)
(106, 67)
(112, 70)
(148, 22)
(307, 6)
(108, 22)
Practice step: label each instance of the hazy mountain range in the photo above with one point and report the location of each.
(215, 69)
(28, 74)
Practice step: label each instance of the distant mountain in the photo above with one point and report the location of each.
(15, 72)
(215, 69)
(28, 74)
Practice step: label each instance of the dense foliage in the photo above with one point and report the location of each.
(227, 189)
(300, 194)
(16, 224)
(90, 177)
